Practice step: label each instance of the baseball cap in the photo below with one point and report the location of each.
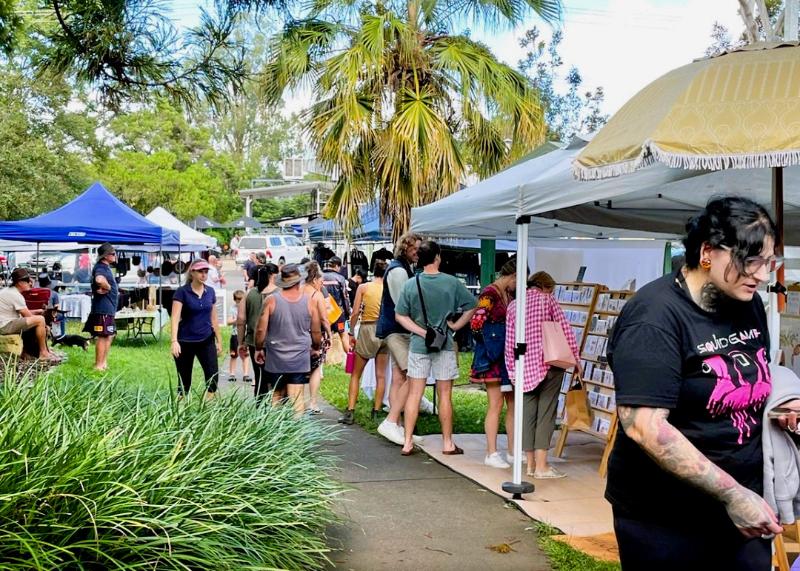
(200, 265)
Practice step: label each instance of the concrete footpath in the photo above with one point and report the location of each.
(413, 513)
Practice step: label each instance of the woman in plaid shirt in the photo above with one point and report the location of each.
(542, 383)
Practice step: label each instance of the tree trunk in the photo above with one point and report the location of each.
(750, 24)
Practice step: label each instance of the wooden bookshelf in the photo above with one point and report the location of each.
(597, 374)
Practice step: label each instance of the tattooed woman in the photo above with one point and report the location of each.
(689, 354)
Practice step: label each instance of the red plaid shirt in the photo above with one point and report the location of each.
(540, 307)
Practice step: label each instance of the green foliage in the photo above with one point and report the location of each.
(159, 158)
(100, 474)
(469, 407)
(45, 144)
(401, 98)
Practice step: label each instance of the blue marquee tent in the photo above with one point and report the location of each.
(369, 229)
(94, 217)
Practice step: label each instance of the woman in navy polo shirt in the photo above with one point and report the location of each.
(195, 330)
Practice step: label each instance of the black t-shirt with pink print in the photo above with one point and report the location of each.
(710, 370)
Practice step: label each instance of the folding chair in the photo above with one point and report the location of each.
(784, 544)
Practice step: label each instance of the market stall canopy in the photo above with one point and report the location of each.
(649, 203)
(371, 231)
(368, 230)
(202, 223)
(94, 217)
(188, 236)
(489, 208)
(244, 222)
(737, 110)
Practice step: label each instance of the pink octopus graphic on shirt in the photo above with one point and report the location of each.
(735, 392)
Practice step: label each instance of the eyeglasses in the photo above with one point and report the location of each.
(752, 264)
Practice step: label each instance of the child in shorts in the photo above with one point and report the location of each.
(233, 315)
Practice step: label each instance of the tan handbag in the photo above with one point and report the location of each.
(578, 414)
(557, 352)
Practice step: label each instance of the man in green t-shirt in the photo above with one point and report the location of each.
(443, 295)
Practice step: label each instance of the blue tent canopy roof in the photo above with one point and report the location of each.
(94, 217)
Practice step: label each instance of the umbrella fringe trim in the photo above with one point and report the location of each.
(651, 153)
(721, 162)
(584, 173)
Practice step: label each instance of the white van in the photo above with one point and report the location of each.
(279, 248)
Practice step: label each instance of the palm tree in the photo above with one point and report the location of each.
(404, 107)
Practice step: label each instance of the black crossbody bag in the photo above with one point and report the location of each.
(435, 337)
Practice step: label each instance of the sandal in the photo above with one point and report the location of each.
(549, 474)
(455, 451)
(409, 452)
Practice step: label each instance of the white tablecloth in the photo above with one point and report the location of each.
(77, 305)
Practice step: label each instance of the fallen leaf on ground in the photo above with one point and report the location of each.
(502, 547)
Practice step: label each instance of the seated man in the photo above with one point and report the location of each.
(16, 318)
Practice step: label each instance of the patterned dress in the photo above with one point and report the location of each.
(491, 308)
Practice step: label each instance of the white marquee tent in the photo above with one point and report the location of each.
(540, 198)
(188, 236)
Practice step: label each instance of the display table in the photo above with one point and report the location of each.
(77, 305)
(139, 323)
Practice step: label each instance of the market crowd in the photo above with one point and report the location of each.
(704, 469)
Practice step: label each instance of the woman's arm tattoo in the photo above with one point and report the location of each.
(673, 452)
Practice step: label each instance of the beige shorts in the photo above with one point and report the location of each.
(15, 326)
(397, 343)
(442, 366)
(367, 344)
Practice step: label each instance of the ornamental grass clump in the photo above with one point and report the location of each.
(97, 476)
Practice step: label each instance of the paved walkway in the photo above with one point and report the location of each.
(413, 513)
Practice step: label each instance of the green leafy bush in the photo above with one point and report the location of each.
(96, 475)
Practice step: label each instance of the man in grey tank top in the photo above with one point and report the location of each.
(288, 330)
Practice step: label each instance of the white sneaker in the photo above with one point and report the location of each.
(414, 438)
(510, 458)
(494, 460)
(392, 432)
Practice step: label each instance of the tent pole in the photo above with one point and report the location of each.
(36, 263)
(776, 303)
(160, 286)
(517, 487)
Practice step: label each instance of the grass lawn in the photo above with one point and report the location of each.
(469, 407)
(130, 361)
(565, 558)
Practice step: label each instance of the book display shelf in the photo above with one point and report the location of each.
(594, 321)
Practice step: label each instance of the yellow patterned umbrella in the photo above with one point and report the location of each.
(737, 110)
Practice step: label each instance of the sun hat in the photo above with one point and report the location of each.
(104, 250)
(290, 276)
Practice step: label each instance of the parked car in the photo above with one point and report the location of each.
(279, 248)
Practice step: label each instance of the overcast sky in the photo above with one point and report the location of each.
(620, 44)
(625, 44)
